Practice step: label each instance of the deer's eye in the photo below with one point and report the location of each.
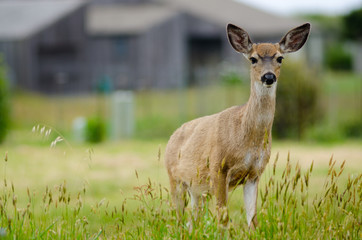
(253, 60)
(280, 59)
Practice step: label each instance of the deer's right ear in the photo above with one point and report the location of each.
(239, 39)
(295, 38)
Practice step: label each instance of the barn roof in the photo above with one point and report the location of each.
(136, 18)
(222, 12)
(20, 19)
(111, 19)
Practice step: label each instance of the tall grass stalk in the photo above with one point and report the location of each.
(287, 211)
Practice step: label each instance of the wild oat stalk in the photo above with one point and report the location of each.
(45, 131)
(333, 213)
(287, 211)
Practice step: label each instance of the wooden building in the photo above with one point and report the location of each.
(41, 42)
(72, 45)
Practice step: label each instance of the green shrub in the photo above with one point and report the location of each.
(323, 133)
(297, 100)
(353, 128)
(4, 103)
(95, 130)
(337, 58)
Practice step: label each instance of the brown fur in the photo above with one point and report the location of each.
(215, 153)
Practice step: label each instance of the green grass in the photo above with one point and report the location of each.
(119, 190)
(286, 211)
(342, 98)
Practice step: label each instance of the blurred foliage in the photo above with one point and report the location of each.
(338, 27)
(155, 127)
(297, 105)
(4, 102)
(95, 130)
(327, 133)
(337, 58)
(335, 30)
(232, 78)
(324, 133)
(352, 25)
(330, 26)
(353, 128)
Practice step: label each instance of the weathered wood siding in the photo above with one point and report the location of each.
(60, 53)
(161, 56)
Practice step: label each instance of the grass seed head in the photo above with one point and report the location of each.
(311, 167)
(159, 153)
(306, 178)
(15, 199)
(330, 160)
(275, 163)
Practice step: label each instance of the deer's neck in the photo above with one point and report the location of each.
(260, 107)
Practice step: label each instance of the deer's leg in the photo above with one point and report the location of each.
(195, 201)
(250, 198)
(195, 204)
(178, 195)
(221, 194)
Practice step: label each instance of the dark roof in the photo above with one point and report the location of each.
(20, 19)
(131, 18)
(222, 12)
(109, 19)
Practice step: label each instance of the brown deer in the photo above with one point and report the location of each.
(216, 153)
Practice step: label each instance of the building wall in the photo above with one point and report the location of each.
(44, 59)
(7, 50)
(151, 59)
(160, 60)
(112, 58)
(60, 56)
(18, 57)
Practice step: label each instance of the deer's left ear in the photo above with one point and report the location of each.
(295, 39)
(239, 39)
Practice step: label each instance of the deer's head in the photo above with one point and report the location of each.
(266, 58)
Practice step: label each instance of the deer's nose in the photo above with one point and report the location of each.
(269, 78)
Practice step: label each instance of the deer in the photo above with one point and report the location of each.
(215, 154)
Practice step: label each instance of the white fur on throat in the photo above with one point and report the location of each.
(262, 90)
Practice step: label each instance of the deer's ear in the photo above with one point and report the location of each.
(295, 39)
(239, 39)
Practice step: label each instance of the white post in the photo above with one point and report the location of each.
(122, 121)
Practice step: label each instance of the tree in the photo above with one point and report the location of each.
(352, 25)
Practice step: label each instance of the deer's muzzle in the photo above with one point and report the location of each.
(268, 78)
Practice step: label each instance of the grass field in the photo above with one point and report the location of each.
(118, 190)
